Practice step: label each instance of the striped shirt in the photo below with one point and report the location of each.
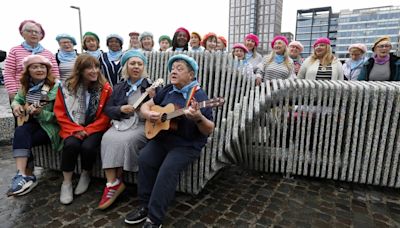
(110, 69)
(324, 72)
(273, 70)
(66, 69)
(13, 67)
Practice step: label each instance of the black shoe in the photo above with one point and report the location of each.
(137, 216)
(149, 224)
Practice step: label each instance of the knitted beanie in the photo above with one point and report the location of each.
(252, 37)
(182, 29)
(66, 36)
(145, 34)
(241, 46)
(380, 39)
(185, 58)
(297, 44)
(133, 53)
(276, 38)
(197, 34)
(32, 59)
(223, 40)
(118, 37)
(165, 37)
(322, 40)
(360, 46)
(94, 35)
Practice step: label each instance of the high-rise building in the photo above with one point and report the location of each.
(365, 26)
(314, 23)
(261, 17)
(289, 36)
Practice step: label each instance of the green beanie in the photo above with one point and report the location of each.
(91, 34)
(165, 37)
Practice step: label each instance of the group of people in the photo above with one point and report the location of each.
(77, 109)
(87, 104)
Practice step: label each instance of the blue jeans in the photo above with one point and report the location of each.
(159, 167)
(27, 136)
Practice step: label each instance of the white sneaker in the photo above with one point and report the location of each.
(83, 183)
(66, 195)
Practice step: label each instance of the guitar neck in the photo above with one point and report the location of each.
(181, 111)
(140, 100)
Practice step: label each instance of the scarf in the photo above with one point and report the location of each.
(34, 93)
(94, 101)
(279, 59)
(187, 91)
(356, 63)
(95, 54)
(249, 55)
(35, 50)
(381, 61)
(297, 60)
(35, 87)
(179, 49)
(134, 86)
(66, 56)
(114, 55)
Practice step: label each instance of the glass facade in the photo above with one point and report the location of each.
(365, 26)
(314, 23)
(261, 17)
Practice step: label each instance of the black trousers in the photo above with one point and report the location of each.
(88, 148)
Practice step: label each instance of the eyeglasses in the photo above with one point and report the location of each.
(384, 46)
(30, 31)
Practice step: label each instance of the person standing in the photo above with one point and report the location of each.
(383, 65)
(322, 64)
(221, 44)
(353, 66)
(295, 50)
(66, 55)
(79, 109)
(164, 42)
(195, 42)
(38, 124)
(209, 42)
(111, 61)
(170, 152)
(147, 41)
(278, 64)
(91, 44)
(33, 33)
(134, 42)
(180, 41)
(252, 56)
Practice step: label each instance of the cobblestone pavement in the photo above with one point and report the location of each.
(234, 198)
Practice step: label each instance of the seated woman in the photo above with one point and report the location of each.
(121, 143)
(40, 127)
(171, 151)
(79, 110)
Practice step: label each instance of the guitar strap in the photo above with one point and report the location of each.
(191, 95)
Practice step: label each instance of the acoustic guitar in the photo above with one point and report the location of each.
(124, 124)
(44, 100)
(168, 112)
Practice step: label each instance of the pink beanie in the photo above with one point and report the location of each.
(182, 29)
(32, 59)
(241, 46)
(252, 37)
(283, 38)
(362, 47)
(322, 40)
(33, 22)
(297, 44)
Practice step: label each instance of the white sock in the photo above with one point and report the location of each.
(115, 183)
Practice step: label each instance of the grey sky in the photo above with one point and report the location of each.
(123, 16)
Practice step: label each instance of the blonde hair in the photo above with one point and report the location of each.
(327, 59)
(125, 75)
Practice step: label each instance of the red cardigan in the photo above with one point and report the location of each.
(68, 127)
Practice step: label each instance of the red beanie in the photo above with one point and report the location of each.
(252, 37)
(206, 37)
(223, 40)
(33, 22)
(322, 40)
(283, 38)
(182, 29)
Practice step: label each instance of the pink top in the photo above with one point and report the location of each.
(13, 67)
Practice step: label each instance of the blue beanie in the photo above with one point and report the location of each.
(66, 36)
(133, 53)
(187, 59)
(115, 36)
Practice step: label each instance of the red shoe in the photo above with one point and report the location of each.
(110, 194)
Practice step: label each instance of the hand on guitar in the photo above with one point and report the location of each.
(34, 109)
(18, 110)
(127, 109)
(151, 91)
(153, 116)
(193, 112)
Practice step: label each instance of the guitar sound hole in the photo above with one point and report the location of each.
(164, 117)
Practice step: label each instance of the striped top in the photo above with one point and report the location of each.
(272, 70)
(324, 72)
(66, 69)
(13, 67)
(110, 69)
